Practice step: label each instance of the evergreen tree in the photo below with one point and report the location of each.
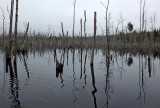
(130, 26)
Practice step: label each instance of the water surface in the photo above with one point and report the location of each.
(121, 80)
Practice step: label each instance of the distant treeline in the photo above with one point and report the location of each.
(121, 40)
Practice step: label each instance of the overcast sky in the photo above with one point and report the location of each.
(44, 14)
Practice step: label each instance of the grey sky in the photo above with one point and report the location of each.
(44, 13)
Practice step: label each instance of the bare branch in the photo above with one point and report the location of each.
(104, 5)
(8, 10)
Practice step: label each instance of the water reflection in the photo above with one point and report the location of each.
(74, 85)
(24, 59)
(149, 66)
(108, 86)
(81, 51)
(59, 67)
(142, 95)
(14, 82)
(130, 61)
(75, 98)
(93, 83)
(84, 71)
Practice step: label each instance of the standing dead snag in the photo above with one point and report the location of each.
(94, 39)
(143, 15)
(62, 33)
(62, 29)
(106, 21)
(3, 19)
(140, 16)
(15, 36)
(85, 24)
(67, 38)
(74, 4)
(16, 26)
(10, 29)
(81, 30)
(25, 38)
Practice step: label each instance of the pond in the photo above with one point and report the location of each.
(119, 80)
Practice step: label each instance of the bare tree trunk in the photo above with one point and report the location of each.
(3, 20)
(85, 24)
(143, 16)
(67, 38)
(140, 17)
(81, 30)
(16, 26)
(15, 36)
(10, 28)
(106, 21)
(62, 29)
(62, 34)
(74, 4)
(143, 19)
(95, 27)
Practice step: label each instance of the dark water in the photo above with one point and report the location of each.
(117, 81)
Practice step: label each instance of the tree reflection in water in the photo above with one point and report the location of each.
(14, 82)
(142, 96)
(93, 83)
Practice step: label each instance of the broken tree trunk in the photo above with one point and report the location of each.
(63, 41)
(62, 29)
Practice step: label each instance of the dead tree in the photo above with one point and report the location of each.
(81, 30)
(85, 24)
(153, 23)
(67, 38)
(106, 20)
(16, 27)
(143, 20)
(22, 45)
(10, 28)
(74, 4)
(62, 33)
(121, 16)
(119, 22)
(140, 17)
(94, 39)
(3, 19)
(62, 29)
(143, 16)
